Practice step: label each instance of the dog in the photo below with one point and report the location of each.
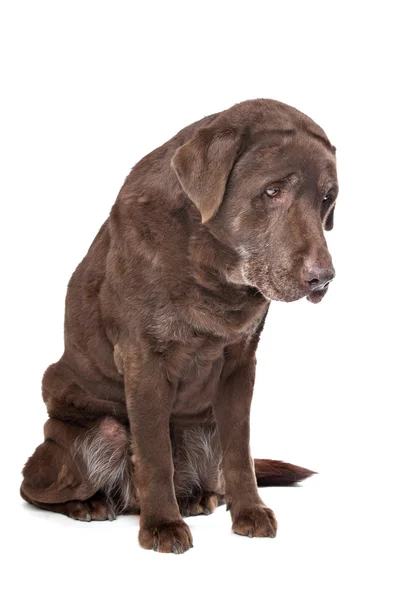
(149, 405)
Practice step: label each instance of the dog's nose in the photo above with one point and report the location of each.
(318, 277)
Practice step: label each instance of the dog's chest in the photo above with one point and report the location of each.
(194, 314)
(196, 351)
(194, 370)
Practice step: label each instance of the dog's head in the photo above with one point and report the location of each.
(263, 177)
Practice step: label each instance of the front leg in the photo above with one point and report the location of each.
(250, 516)
(149, 398)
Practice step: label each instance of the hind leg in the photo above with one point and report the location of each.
(81, 472)
(96, 508)
(198, 480)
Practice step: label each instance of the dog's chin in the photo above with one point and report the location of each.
(276, 295)
(293, 295)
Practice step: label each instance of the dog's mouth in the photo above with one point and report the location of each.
(316, 295)
(291, 292)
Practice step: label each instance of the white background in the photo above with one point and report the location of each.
(87, 90)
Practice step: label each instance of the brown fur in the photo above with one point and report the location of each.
(149, 404)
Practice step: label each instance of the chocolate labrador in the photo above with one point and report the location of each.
(149, 404)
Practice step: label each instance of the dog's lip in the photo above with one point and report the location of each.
(318, 293)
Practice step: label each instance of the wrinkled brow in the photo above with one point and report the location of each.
(320, 138)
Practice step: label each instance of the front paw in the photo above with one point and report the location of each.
(169, 536)
(255, 521)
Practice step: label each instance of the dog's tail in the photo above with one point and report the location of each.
(276, 472)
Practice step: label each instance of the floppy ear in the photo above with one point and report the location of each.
(328, 225)
(203, 165)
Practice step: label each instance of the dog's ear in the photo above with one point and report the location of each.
(328, 224)
(203, 165)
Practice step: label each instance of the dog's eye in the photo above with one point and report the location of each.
(327, 198)
(272, 192)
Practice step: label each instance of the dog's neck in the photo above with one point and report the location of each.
(217, 267)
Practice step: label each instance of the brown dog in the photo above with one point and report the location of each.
(149, 404)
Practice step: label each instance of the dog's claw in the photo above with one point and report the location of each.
(177, 548)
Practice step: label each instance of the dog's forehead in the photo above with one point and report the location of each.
(314, 160)
(279, 154)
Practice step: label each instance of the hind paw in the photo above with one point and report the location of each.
(199, 505)
(94, 509)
